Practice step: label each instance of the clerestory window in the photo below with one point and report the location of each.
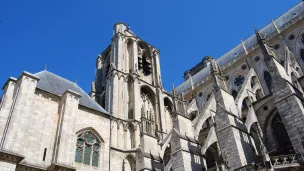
(87, 149)
(239, 80)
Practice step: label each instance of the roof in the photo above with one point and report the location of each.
(249, 44)
(57, 85)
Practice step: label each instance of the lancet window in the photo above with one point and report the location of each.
(144, 59)
(147, 112)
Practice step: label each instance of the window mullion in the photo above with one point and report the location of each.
(83, 148)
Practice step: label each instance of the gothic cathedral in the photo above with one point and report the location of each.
(243, 111)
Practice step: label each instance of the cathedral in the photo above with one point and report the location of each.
(243, 111)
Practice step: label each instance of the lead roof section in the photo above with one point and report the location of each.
(57, 85)
(250, 44)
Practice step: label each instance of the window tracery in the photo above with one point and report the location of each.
(147, 113)
(87, 149)
(238, 80)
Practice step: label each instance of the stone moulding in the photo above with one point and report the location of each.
(10, 157)
(25, 167)
(60, 167)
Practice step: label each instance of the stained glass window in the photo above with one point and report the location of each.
(87, 149)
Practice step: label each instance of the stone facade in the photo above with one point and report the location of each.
(243, 111)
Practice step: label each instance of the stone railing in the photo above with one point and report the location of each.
(287, 160)
(278, 162)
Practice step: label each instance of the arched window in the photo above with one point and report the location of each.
(149, 126)
(129, 163)
(234, 94)
(87, 149)
(168, 113)
(144, 59)
(146, 63)
(268, 79)
(285, 146)
(130, 56)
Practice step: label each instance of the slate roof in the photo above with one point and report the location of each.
(55, 84)
(249, 44)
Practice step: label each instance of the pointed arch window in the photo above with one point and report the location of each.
(87, 149)
(144, 59)
(268, 79)
(285, 146)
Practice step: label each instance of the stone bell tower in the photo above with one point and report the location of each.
(128, 85)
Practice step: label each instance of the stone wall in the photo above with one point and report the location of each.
(4, 166)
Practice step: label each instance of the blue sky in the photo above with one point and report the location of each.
(67, 35)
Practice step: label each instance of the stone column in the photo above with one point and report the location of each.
(157, 68)
(66, 134)
(5, 105)
(137, 99)
(113, 94)
(120, 52)
(135, 57)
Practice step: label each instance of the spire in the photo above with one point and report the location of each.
(45, 67)
(190, 78)
(93, 88)
(173, 97)
(213, 65)
(263, 44)
(258, 34)
(218, 79)
(245, 49)
(275, 26)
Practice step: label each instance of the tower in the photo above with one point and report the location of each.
(128, 85)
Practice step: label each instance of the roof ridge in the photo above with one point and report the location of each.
(56, 75)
